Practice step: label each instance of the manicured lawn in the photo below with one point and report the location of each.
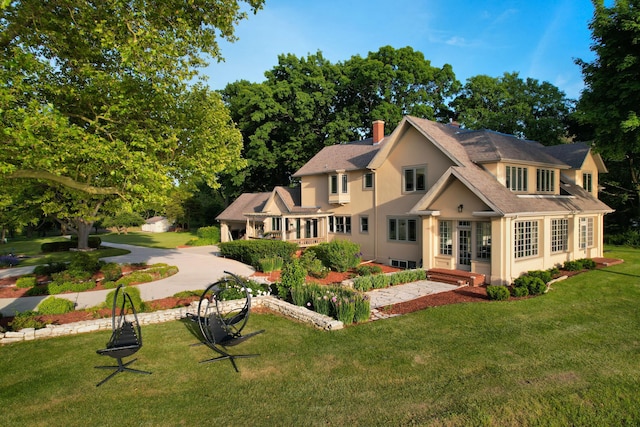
(31, 249)
(168, 240)
(569, 357)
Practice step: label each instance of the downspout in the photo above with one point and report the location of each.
(375, 215)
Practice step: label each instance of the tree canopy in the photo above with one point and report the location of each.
(97, 104)
(508, 104)
(609, 108)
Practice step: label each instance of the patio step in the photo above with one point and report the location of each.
(455, 277)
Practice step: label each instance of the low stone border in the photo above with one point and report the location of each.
(301, 314)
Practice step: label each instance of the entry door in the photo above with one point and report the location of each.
(464, 245)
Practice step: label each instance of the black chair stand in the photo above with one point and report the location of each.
(223, 312)
(126, 336)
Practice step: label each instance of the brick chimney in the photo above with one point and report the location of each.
(378, 131)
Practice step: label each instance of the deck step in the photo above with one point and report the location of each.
(455, 277)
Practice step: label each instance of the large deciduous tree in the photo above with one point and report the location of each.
(97, 106)
(525, 108)
(610, 104)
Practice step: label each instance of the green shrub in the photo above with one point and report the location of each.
(363, 283)
(367, 270)
(61, 246)
(54, 305)
(587, 263)
(211, 234)
(338, 255)
(270, 264)
(380, 281)
(497, 292)
(572, 266)
(109, 284)
(627, 238)
(59, 287)
(133, 292)
(544, 275)
(537, 286)
(188, 294)
(252, 251)
(111, 271)
(94, 242)
(135, 277)
(519, 291)
(50, 268)
(37, 291)
(313, 265)
(28, 281)
(293, 273)
(26, 319)
(301, 295)
(162, 270)
(321, 299)
(83, 261)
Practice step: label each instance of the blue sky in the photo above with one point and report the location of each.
(538, 39)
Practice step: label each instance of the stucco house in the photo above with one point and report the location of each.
(433, 195)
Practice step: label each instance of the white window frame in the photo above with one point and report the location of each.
(340, 224)
(445, 232)
(586, 232)
(587, 181)
(516, 178)
(483, 240)
(525, 239)
(545, 180)
(559, 235)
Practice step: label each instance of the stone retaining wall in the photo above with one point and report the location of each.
(301, 314)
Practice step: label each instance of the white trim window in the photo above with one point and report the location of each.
(364, 224)
(414, 179)
(525, 242)
(545, 180)
(586, 232)
(445, 229)
(340, 224)
(333, 184)
(402, 229)
(483, 240)
(587, 181)
(516, 178)
(559, 235)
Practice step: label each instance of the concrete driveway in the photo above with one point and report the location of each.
(198, 267)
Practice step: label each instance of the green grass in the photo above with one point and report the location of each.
(31, 249)
(167, 240)
(569, 357)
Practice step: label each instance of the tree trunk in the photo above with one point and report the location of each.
(84, 229)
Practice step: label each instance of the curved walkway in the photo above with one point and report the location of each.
(198, 267)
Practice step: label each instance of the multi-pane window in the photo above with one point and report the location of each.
(345, 181)
(333, 184)
(364, 224)
(415, 179)
(559, 235)
(340, 224)
(276, 224)
(545, 180)
(368, 180)
(400, 263)
(586, 232)
(525, 239)
(587, 181)
(446, 237)
(483, 240)
(516, 179)
(403, 229)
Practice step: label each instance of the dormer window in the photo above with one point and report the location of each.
(587, 181)
(339, 188)
(516, 179)
(545, 180)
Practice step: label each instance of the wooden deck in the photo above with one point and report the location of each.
(455, 277)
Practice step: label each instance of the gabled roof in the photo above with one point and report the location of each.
(440, 135)
(486, 146)
(341, 157)
(575, 155)
(502, 201)
(250, 204)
